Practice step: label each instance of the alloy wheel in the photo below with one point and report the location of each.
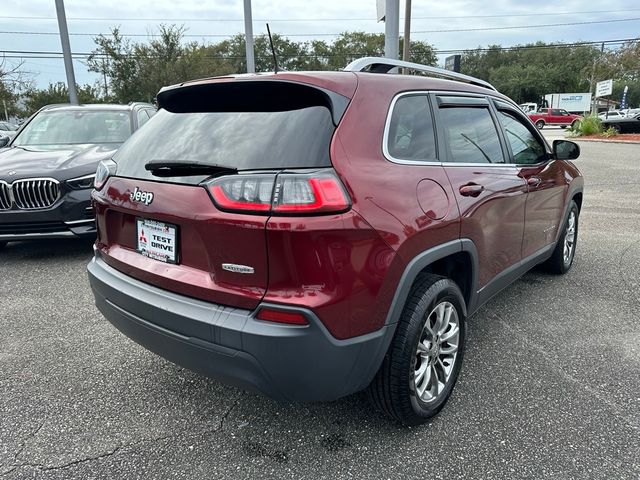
(570, 238)
(437, 352)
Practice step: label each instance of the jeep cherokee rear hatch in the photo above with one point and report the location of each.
(185, 206)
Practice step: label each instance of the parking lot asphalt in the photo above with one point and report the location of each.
(550, 387)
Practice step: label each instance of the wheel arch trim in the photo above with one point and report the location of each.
(422, 261)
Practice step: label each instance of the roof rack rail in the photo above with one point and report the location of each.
(384, 65)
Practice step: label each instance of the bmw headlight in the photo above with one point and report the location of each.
(106, 168)
(81, 183)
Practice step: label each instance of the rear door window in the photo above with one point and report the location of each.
(471, 136)
(143, 117)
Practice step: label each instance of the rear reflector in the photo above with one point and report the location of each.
(280, 194)
(280, 316)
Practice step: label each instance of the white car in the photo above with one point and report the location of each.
(612, 114)
(7, 130)
(630, 112)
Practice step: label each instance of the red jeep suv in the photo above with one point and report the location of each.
(311, 235)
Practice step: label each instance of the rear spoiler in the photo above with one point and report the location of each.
(250, 96)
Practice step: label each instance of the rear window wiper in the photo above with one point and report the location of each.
(164, 168)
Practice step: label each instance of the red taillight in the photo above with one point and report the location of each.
(281, 194)
(303, 194)
(281, 316)
(251, 193)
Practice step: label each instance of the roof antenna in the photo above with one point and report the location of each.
(273, 51)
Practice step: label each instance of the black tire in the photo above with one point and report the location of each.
(558, 263)
(393, 390)
(616, 127)
(2, 245)
(540, 124)
(563, 126)
(575, 125)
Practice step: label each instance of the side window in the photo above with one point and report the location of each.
(143, 118)
(411, 135)
(471, 135)
(526, 148)
(555, 112)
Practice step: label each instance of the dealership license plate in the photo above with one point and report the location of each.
(157, 240)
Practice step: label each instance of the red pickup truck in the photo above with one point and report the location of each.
(554, 116)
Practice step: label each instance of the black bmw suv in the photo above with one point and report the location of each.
(47, 170)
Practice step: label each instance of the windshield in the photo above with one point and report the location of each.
(241, 140)
(69, 127)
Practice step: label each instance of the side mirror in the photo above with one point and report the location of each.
(4, 141)
(565, 150)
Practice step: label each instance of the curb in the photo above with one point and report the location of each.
(602, 140)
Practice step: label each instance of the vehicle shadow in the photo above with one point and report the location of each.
(73, 248)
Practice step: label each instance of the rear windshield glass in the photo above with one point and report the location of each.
(241, 140)
(69, 127)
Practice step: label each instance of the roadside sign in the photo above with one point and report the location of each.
(380, 10)
(604, 88)
(452, 63)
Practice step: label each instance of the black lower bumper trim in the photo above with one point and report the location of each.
(229, 344)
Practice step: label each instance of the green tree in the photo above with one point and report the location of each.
(136, 71)
(625, 66)
(352, 45)
(58, 93)
(8, 100)
(13, 79)
(527, 72)
(114, 59)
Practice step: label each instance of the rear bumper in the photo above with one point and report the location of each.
(284, 362)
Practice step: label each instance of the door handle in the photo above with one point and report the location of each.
(471, 190)
(534, 181)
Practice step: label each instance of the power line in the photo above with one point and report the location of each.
(176, 19)
(34, 54)
(516, 27)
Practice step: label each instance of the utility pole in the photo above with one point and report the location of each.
(6, 115)
(407, 32)
(104, 76)
(391, 28)
(248, 37)
(594, 101)
(66, 51)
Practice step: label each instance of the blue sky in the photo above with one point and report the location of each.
(306, 20)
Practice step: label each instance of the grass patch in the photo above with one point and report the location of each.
(609, 132)
(588, 125)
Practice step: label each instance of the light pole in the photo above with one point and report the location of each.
(391, 28)
(66, 51)
(407, 32)
(248, 37)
